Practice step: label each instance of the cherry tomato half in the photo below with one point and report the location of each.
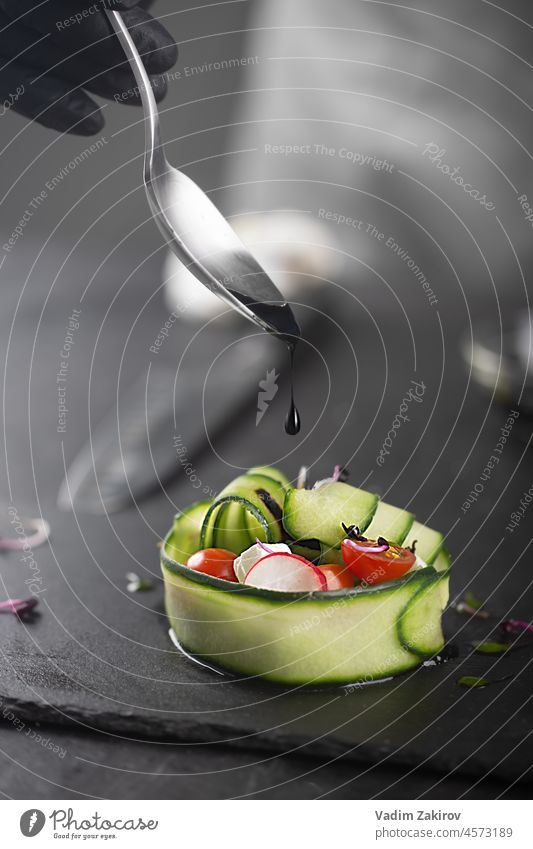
(376, 567)
(337, 577)
(217, 562)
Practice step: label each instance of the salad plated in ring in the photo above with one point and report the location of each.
(321, 585)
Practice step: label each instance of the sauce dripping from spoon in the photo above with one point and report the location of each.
(279, 320)
(292, 419)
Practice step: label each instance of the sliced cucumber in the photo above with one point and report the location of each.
(331, 555)
(419, 628)
(207, 532)
(298, 638)
(319, 513)
(263, 521)
(308, 548)
(254, 528)
(185, 535)
(428, 542)
(271, 472)
(390, 522)
(270, 530)
(272, 494)
(230, 530)
(443, 560)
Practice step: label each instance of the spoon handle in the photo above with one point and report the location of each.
(153, 155)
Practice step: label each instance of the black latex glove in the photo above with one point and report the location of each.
(49, 59)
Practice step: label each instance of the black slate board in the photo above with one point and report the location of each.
(96, 657)
(419, 719)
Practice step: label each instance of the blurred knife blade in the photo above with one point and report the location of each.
(132, 452)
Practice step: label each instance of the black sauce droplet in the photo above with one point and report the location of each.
(292, 419)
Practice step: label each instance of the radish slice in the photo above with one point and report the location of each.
(287, 572)
(244, 562)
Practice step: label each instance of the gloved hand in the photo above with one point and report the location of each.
(52, 52)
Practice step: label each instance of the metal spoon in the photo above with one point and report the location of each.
(194, 228)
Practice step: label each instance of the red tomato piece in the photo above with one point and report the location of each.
(217, 562)
(376, 567)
